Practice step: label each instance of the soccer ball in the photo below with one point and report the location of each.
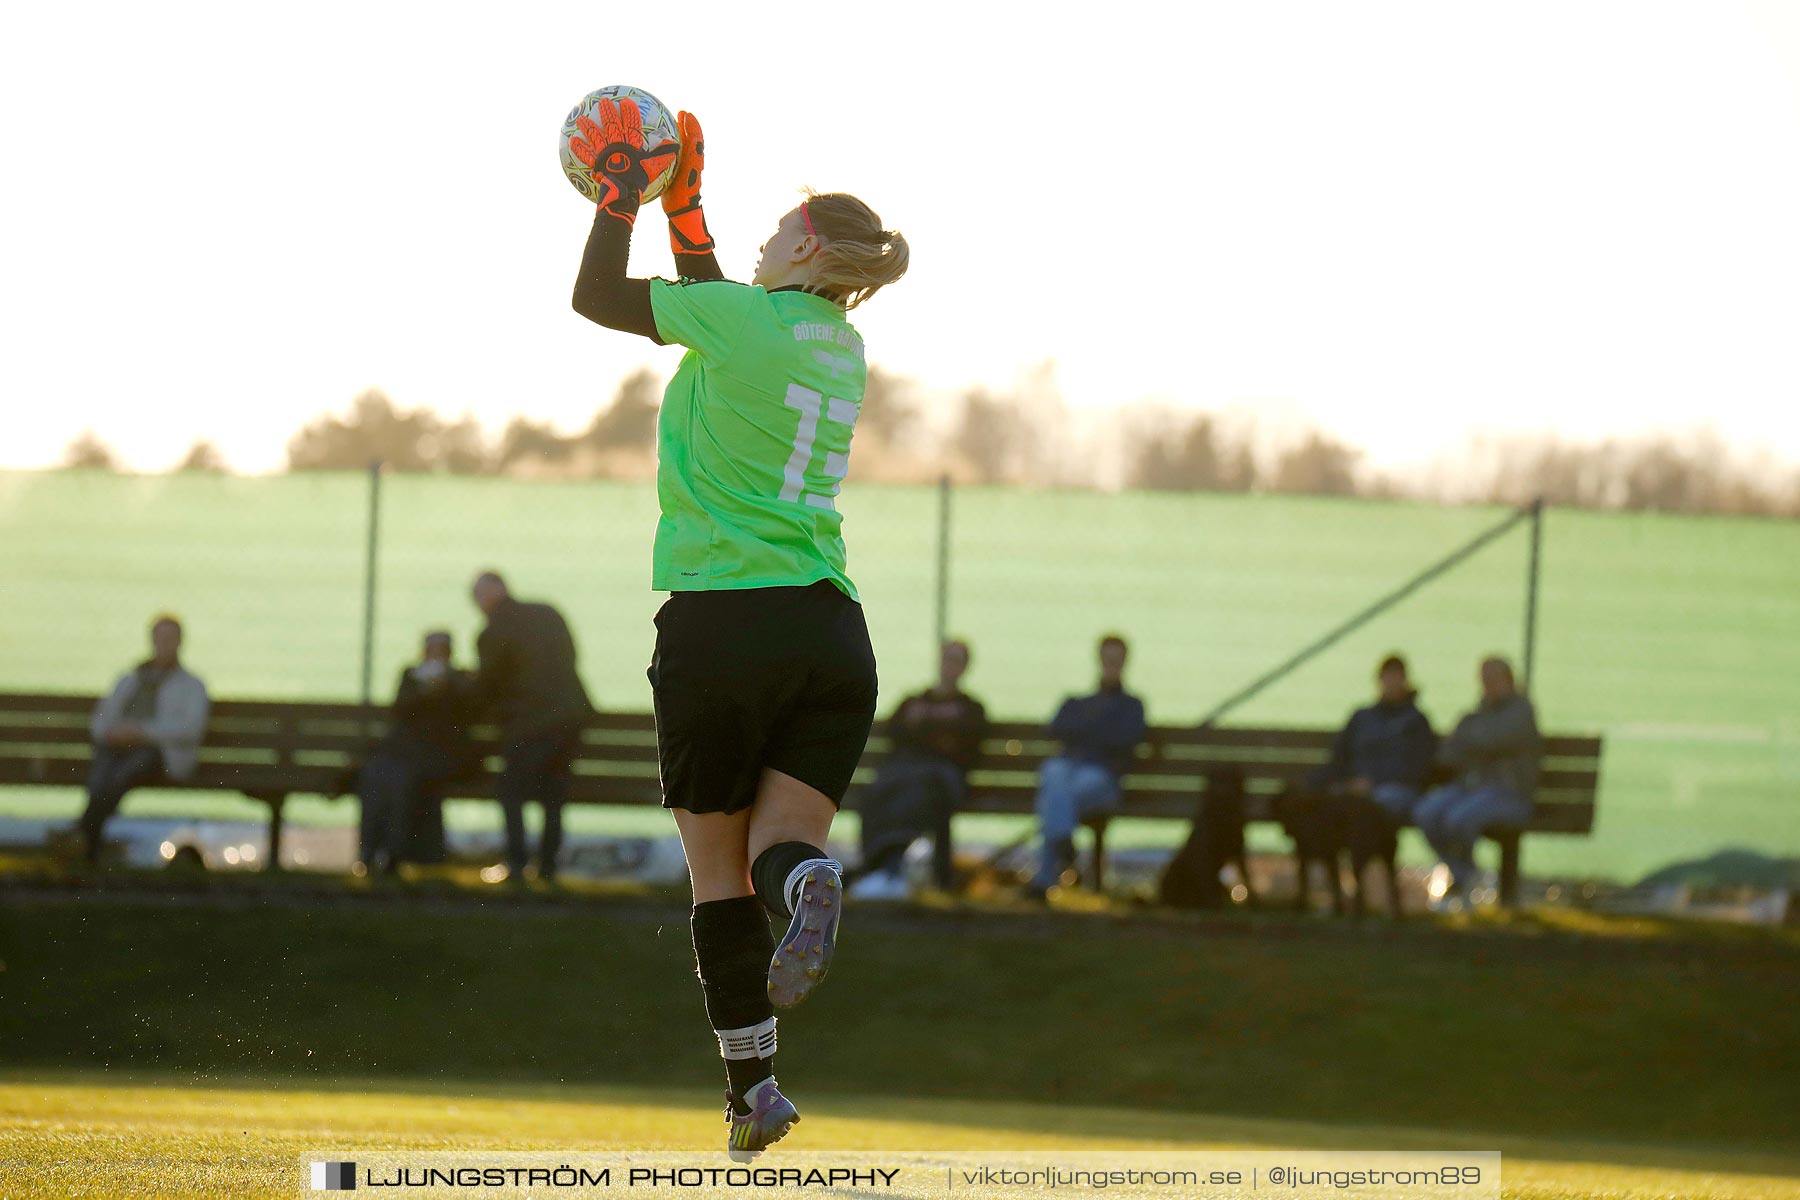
(659, 127)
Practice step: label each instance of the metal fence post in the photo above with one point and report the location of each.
(1531, 593)
(1531, 512)
(368, 644)
(941, 629)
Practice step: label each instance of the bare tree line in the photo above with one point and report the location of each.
(1026, 436)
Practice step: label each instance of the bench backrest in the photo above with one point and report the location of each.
(264, 747)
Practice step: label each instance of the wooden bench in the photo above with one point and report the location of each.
(269, 750)
(1175, 765)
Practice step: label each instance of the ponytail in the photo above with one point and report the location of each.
(858, 257)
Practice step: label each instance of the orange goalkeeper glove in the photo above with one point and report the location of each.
(613, 151)
(681, 199)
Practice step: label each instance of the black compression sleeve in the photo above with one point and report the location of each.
(698, 266)
(602, 292)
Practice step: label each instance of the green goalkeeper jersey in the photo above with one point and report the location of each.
(754, 437)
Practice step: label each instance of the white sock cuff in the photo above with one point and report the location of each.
(792, 885)
(752, 1041)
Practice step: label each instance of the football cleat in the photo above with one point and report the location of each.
(771, 1115)
(803, 955)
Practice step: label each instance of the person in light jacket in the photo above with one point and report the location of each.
(146, 730)
(1494, 751)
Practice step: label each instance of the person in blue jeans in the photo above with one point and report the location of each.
(1100, 735)
(1495, 751)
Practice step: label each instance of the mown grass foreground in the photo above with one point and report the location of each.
(1515, 1028)
(112, 1136)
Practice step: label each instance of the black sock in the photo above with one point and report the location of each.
(732, 949)
(771, 869)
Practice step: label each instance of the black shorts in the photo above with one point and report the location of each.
(782, 678)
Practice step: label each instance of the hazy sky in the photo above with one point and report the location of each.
(1409, 222)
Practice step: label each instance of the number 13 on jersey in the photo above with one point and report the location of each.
(814, 407)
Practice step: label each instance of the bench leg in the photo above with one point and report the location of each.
(276, 804)
(1099, 856)
(1509, 869)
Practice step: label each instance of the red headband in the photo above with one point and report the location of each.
(807, 217)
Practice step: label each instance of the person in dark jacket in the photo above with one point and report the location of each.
(427, 746)
(1494, 751)
(1385, 751)
(935, 737)
(529, 685)
(1100, 734)
(1358, 800)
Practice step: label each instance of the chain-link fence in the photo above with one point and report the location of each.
(1676, 638)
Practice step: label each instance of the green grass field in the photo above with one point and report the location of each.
(184, 1042)
(1675, 637)
(1610, 1031)
(131, 1137)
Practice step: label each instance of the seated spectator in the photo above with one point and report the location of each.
(1100, 735)
(1494, 751)
(529, 684)
(1379, 763)
(427, 746)
(936, 737)
(1385, 751)
(146, 730)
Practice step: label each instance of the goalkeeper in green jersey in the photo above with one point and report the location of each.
(763, 677)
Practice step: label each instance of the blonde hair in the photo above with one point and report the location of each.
(858, 257)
